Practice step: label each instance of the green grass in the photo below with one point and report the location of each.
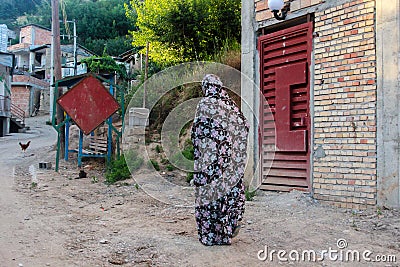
(158, 149)
(95, 180)
(155, 164)
(170, 167)
(189, 177)
(118, 170)
(250, 194)
(188, 150)
(134, 161)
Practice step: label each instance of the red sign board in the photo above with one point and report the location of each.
(88, 104)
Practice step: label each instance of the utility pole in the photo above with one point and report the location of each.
(75, 46)
(75, 50)
(146, 74)
(55, 26)
(51, 75)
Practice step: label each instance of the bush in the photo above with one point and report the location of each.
(104, 64)
(188, 150)
(118, 169)
(189, 177)
(133, 160)
(158, 149)
(170, 167)
(155, 164)
(250, 194)
(164, 161)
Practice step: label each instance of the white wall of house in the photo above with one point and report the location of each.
(388, 110)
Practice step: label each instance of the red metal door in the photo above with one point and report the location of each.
(285, 58)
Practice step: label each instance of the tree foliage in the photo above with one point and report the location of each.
(184, 30)
(10, 10)
(101, 25)
(105, 64)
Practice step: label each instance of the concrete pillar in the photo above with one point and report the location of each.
(249, 89)
(388, 96)
(31, 61)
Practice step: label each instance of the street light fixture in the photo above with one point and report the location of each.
(278, 5)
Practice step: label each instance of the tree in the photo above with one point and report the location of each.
(10, 10)
(101, 25)
(184, 30)
(105, 64)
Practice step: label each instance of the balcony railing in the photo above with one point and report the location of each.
(18, 113)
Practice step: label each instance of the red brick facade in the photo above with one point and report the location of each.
(345, 104)
(30, 80)
(344, 98)
(23, 91)
(35, 35)
(21, 98)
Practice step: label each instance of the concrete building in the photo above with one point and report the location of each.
(6, 68)
(31, 84)
(32, 70)
(30, 47)
(5, 36)
(133, 61)
(67, 57)
(330, 75)
(26, 93)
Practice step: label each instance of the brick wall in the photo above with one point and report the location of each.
(345, 104)
(20, 96)
(35, 35)
(31, 80)
(21, 91)
(25, 35)
(21, 46)
(42, 36)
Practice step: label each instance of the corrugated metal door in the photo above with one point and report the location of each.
(285, 57)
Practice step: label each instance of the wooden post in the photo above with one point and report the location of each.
(146, 73)
(55, 24)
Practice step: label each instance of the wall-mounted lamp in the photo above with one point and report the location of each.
(276, 5)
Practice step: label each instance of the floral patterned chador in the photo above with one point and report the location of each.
(219, 137)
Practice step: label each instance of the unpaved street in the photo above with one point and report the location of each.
(22, 236)
(64, 221)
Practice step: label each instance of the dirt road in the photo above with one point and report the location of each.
(63, 221)
(22, 236)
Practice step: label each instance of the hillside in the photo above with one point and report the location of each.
(10, 10)
(102, 26)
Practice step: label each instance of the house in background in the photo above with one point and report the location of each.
(133, 60)
(26, 92)
(6, 36)
(6, 69)
(33, 42)
(32, 65)
(133, 63)
(329, 73)
(30, 88)
(67, 59)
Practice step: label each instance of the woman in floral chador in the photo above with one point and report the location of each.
(219, 137)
